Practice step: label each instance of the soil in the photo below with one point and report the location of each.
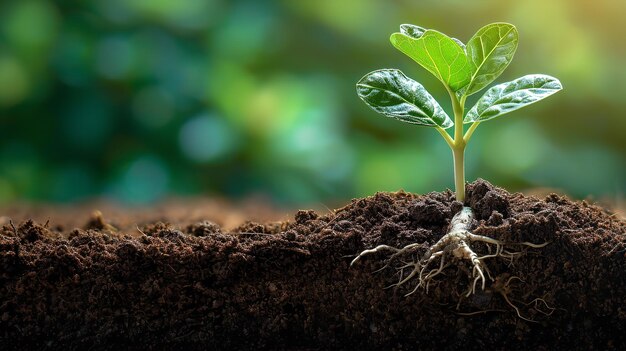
(288, 285)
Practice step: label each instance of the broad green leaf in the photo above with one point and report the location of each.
(412, 30)
(437, 53)
(510, 96)
(490, 51)
(391, 93)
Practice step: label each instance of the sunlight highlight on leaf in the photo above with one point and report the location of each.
(510, 96)
(439, 54)
(391, 93)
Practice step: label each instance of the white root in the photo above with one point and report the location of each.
(455, 244)
(506, 288)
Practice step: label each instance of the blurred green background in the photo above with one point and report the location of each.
(141, 99)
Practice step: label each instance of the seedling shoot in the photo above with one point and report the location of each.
(463, 70)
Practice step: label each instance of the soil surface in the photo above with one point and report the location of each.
(288, 285)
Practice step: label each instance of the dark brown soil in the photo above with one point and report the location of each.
(289, 286)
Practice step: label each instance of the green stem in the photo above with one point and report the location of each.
(458, 146)
(446, 136)
(470, 131)
(459, 172)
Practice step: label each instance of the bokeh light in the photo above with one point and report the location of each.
(206, 138)
(141, 99)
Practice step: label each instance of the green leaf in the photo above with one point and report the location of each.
(510, 96)
(437, 53)
(460, 43)
(490, 51)
(391, 93)
(416, 32)
(412, 30)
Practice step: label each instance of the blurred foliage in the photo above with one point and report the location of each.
(138, 99)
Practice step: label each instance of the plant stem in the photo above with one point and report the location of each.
(470, 131)
(445, 136)
(459, 172)
(458, 146)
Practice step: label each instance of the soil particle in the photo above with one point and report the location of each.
(288, 285)
(430, 212)
(203, 228)
(97, 221)
(30, 232)
(304, 216)
(485, 199)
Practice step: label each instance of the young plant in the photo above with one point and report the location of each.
(464, 69)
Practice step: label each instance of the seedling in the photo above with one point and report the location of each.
(464, 69)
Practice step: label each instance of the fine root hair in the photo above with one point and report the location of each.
(456, 245)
